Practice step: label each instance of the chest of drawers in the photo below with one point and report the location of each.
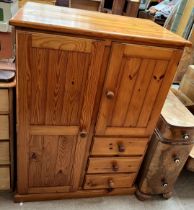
(6, 132)
(169, 150)
(90, 88)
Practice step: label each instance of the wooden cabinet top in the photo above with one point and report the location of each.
(95, 24)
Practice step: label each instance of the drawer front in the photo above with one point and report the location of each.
(185, 135)
(109, 181)
(4, 178)
(164, 167)
(119, 146)
(4, 127)
(6, 45)
(4, 100)
(114, 165)
(4, 153)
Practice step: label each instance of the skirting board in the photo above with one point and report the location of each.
(78, 194)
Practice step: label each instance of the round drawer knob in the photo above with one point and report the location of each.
(110, 185)
(186, 136)
(110, 94)
(115, 166)
(177, 160)
(121, 147)
(165, 184)
(83, 133)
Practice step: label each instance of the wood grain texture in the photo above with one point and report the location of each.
(96, 107)
(125, 91)
(6, 45)
(139, 94)
(113, 165)
(60, 90)
(4, 178)
(38, 190)
(85, 4)
(118, 6)
(175, 134)
(61, 43)
(152, 92)
(23, 93)
(4, 128)
(160, 166)
(132, 8)
(72, 66)
(175, 114)
(50, 162)
(101, 181)
(165, 86)
(115, 63)
(110, 146)
(4, 100)
(78, 194)
(56, 130)
(87, 109)
(12, 138)
(4, 153)
(73, 21)
(135, 82)
(141, 51)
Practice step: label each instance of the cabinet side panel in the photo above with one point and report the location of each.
(23, 85)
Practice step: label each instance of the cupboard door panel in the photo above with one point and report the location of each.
(135, 80)
(58, 94)
(57, 84)
(50, 160)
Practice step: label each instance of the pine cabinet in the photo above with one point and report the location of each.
(90, 89)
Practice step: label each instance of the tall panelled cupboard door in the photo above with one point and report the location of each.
(57, 84)
(134, 89)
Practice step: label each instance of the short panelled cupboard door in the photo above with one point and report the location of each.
(136, 83)
(57, 84)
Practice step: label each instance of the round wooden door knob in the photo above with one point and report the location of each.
(177, 160)
(110, 185)
(83, 134)
(110, 94)
(115, 166)
(165, 184)
(186, 136)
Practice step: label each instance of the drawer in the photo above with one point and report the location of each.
(6, 45)
(163, 164)
(4, 127)
(172, 133)
(119, 146)
(4, 153)
(114, 164)
(109, 181)
(4, 178)
(4, 100)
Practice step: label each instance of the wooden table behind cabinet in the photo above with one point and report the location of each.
(89, 95)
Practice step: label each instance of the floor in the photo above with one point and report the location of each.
(183, 199)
